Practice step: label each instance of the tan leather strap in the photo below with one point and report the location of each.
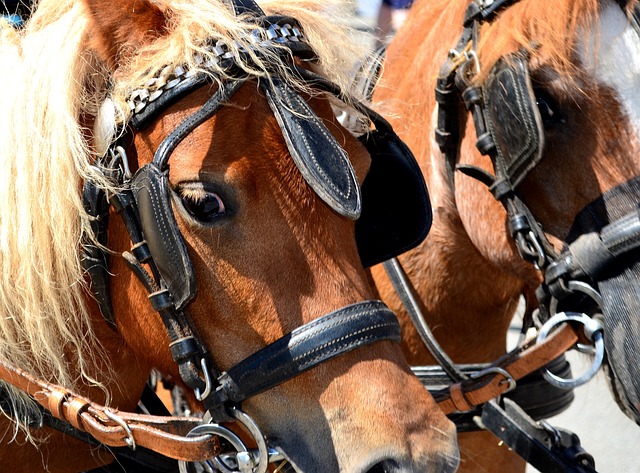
(465, 395)
(164, 435)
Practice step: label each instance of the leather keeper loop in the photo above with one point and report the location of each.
(160, 300)
(56, 401)
(184, 349)
(443, 138)
(75, 408)
(141, 251)
(501, 188)
(458, 398)
(485, 144)
(446, 96)
(472, 96)
(519, 223)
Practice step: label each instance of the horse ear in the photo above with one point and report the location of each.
(120, 26)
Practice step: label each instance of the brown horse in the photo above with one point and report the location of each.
(221, 203)
(581, 56)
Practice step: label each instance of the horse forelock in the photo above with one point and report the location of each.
(192, 26)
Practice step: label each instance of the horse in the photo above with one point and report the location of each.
(545, 115)
(167, 204)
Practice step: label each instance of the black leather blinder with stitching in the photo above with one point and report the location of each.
(322, 162)
(151, 191)
(513, 119)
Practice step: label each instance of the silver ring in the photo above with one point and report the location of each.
(220, 431)
(578, 286)
(252, 427)
(592, 329)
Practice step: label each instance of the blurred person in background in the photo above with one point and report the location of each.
(391, 15)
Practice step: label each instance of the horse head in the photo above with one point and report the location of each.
(534, 168)
(219, 231)
(529, 148)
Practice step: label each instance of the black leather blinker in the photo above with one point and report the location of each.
(396, 212)
(321, 160)
(151, 191)
(513, 119)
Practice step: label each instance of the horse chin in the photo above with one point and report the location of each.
(621, 297)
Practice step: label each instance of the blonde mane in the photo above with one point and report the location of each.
(54, 83)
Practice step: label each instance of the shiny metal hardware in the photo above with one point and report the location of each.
(200, 396)
(130, 440)
(496, 370)
(593, 331)
(577, 286)
(243, 460)
(119, 158)
(531, 249)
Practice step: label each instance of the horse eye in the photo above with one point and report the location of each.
(548, 108)
(202, 205)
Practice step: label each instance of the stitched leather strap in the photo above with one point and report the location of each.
(165, 435)
(325, 338)
(473, 392)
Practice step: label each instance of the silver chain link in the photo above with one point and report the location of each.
(171, 76)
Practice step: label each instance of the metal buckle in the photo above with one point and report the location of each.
(130, 440)
(119, 157)
(496, 370)
(243, 460)
(208, 383)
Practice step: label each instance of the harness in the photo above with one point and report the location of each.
(144, 205)
(509, 130)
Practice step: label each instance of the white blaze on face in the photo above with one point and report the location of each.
(612, 53)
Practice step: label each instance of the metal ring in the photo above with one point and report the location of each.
(496, 370)
(254, 461)
(592, 329)
(131, 442)
(586, 289)
(252, 427)
(119, 154)
(578, 286)
(220, 431)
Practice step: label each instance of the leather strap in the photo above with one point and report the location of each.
(473, 392)
(403, 288)
(164, 435)
(331, 335)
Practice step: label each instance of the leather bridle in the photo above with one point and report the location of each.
(509, 130)
(143, 202)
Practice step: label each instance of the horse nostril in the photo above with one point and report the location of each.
(385, 466)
